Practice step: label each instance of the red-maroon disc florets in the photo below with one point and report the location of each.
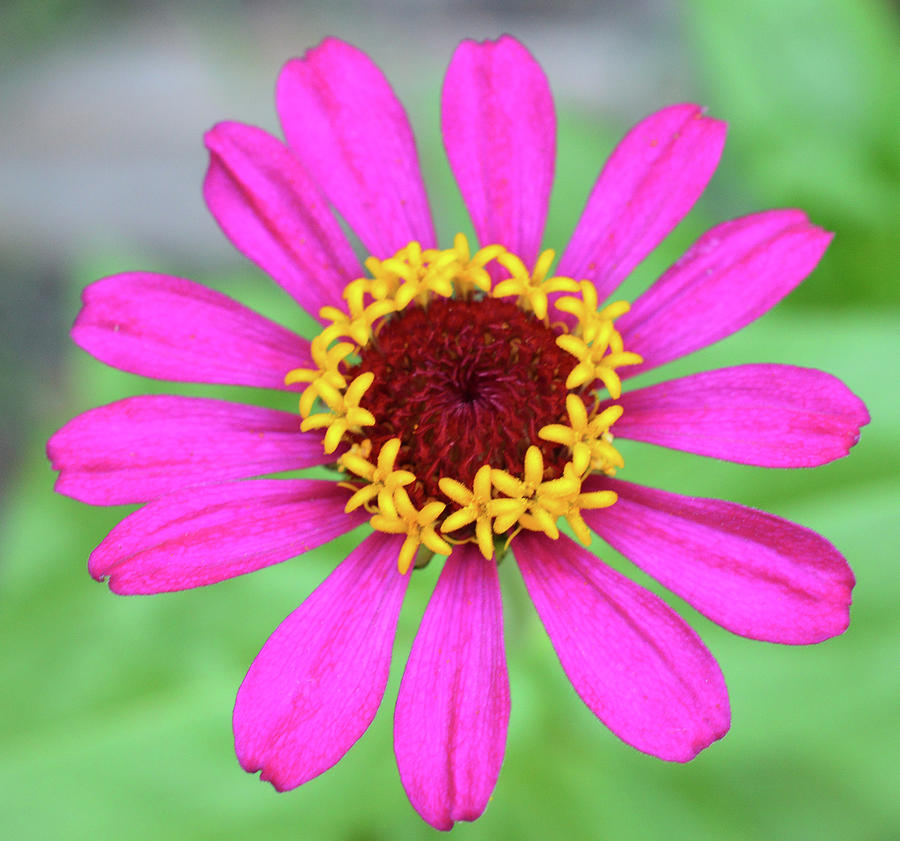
(462, 383)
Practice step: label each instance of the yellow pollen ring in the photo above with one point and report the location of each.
(498, 502)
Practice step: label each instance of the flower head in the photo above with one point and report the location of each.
(468, 399)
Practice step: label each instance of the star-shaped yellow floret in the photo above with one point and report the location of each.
(346, 413)
(387, 274)
(587, 438)
(357, 324)
(324, 379)
(592, 323)
(532, 287)
(411, 274)
(570, 505)
(437, 279)
(382, 477)
(477, 506)
(598, 357)
(539, 498)
(470, 272)
(417, 525)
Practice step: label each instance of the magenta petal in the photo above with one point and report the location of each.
(272, 211)
(174, 329)
(316, 685)
(647, 186)
(206, 534)
(729, 277)
(140, 448)
(345, 124)
(635, 663)
(499, 130)
(767, 415)
(453, 706)
(755, 574)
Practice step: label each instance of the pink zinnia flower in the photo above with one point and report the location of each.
(468, 402)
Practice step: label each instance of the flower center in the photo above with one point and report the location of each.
(463, 383)
(462, 412)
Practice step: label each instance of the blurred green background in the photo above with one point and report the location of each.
(115, 712)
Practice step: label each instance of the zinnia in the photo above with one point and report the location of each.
(467, 400)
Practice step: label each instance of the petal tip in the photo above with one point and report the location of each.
(96, 568)
(273, 777)
(326, 49)
(711, 729)
(211, 136)
(269, 772)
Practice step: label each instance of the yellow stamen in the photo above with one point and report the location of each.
(417, 525)
(418, 288)
(323, 379)
(587, 439)
(583, 308)
(470, 271)
(532, 287)
(407, 268)
(570, 505)
(356, 325)
(346, 414)
(594, 342)
(541, 501)
(593, 364)
(382, 477)
(477, 506)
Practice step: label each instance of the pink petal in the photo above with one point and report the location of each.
(208, 533)
(729, 277)
(500, 133)
(647, 186)
(272, 211)
(767, 415)
(143, 447)
(174, 329)
(316, 685)
(453, 706)
(755, 574)
(635, 663)
(344, 122)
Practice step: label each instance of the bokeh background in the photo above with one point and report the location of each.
(115, 712)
